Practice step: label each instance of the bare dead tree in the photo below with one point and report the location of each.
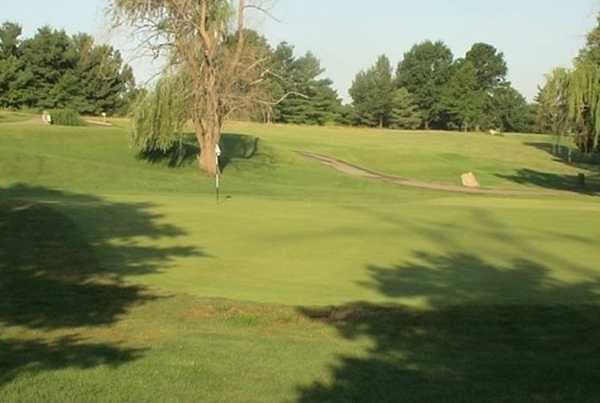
(204, 40)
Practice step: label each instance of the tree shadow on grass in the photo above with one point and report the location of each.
(554, 181)
(19, 357)
(233, 146)
(590, 166)
(489, 332)
(561, 153)
(63, 259)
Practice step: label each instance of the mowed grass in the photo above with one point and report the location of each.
(124, 280)
(512, 161)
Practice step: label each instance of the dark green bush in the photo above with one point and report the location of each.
(66, 117)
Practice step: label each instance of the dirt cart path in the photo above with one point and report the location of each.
(354, 170)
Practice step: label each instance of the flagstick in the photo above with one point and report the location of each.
(217, 170)
(217, 184)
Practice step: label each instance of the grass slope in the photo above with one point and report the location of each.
(124, 280)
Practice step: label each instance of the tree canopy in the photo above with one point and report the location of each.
(489, 64)
(569, 101)
(424, 72)
(432, 90)
(373, 92)
(226, 70)
(314, 102)
(55, 70)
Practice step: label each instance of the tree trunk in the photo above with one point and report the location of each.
(208, 140)
(208, 126)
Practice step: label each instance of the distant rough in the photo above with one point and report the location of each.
(469, 180)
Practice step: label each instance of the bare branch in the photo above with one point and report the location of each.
(283, 98)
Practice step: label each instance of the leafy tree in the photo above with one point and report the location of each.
(159, 116)
(372, 92)
(569, 101)
(405, 113)
(424, 72)
(361, 92)
(510, 110)
(552, 99)
(48, 55)
(489, 64)
(100, 82)
(584, 106)
(590, 53)
(10, 33)
(463, 97)
(204, 40)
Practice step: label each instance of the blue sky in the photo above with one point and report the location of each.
(348, 35)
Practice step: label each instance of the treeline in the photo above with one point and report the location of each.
(568, 104)
(429, 89)
(55, 70)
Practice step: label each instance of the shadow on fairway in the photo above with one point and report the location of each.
(589, 165)
(233, 146)
(562, 154)
(492, 333)
(554, 181)
(63, 258)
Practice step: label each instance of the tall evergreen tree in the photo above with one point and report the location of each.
(314, 100)
(405, 113)
(15, 79)
(55, 70)
(361, 90)
(48, 55)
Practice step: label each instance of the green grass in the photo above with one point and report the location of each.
(124, 280)
(511, 161)
(11, 116)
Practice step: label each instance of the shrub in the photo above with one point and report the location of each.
(66, 117)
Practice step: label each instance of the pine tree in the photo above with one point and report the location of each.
(316, 102)
(55, 70)
(405, 113)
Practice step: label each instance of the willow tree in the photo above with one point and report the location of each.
(584, 106)
(553, 112)
(212, 71)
